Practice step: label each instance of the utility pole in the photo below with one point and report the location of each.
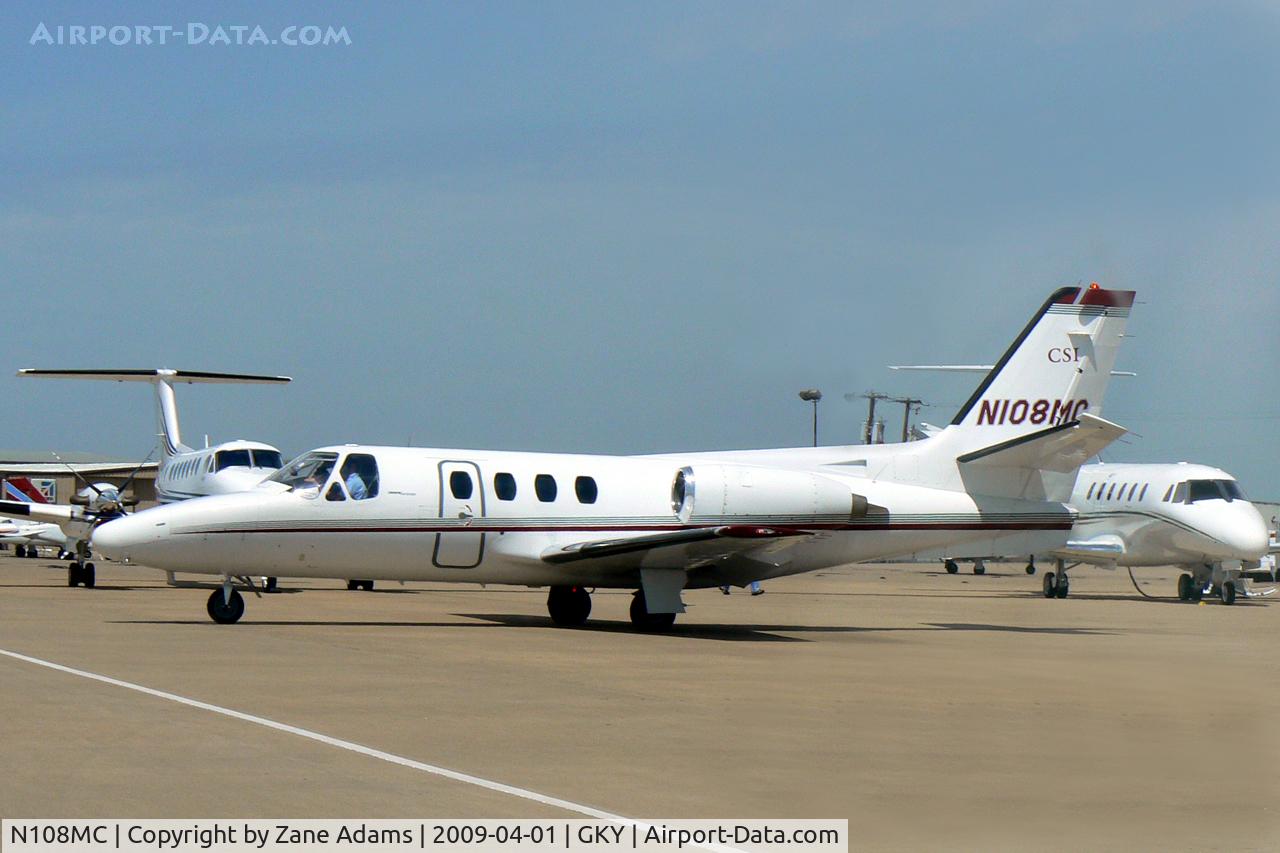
(813, 395)
(868, 429)
(907, 403)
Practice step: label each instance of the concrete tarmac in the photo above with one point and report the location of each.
(933, 711)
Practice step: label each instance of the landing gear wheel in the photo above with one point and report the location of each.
(1047, 583)
(368, 586)
(73, 575)
(20, 551)
(1227, 592)
(88, 575)
(270, 585)
(1184, 587)
(646, 621)
(568, 606)
(1196, 592)
(979, 567)
(33, 552)
(1031, 568)
(951, 566)
(365, 585)
(1063, 586)
(225, 611)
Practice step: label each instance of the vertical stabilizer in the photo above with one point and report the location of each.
(1056, 370)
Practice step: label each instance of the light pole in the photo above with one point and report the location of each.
(813, 395)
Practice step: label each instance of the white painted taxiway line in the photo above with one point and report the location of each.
(391, 758)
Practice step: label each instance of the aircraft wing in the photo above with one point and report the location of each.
(1107, 547)
(689, 546)
(55, 513)
(1062, 448)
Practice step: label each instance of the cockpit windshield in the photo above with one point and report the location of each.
(1213, 490)
(266, 458)
(232, 459)
(308, 471)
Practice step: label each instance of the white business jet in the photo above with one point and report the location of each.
(661, 524)
(232, 466)
(1150, 514)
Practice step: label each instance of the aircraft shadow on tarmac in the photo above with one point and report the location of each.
(732, 633)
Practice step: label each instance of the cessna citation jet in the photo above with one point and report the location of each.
(1157, 514)
(233, 466)
(662, 524)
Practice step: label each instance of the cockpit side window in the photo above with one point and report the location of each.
(335, 492)
(266, 458)
(233, 459)
(1232, 490)
(1168, 493)
(1180, 493)
(308, 471)
(360, 474)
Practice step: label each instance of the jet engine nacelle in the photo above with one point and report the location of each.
(719, 493)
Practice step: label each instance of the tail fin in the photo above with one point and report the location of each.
(22, 489)
(1055, 371)
(163, 379)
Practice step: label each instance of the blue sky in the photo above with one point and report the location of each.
(637, 227)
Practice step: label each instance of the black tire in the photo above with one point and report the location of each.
(368, 586)
(89, 576)
(225, 612)
(646, 621)
(1063, 587)
(1196, 591)
(73, 575)
(1228, 592)
(1031, 568)
(1184, 587)
(19, 550)
(270, 584)
(979, 569)
(353, 585)
(33, 553)
(1047, 583)
(951, 566)
(568, 606)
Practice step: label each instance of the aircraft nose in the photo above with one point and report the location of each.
(1247, 536)
(121, 539)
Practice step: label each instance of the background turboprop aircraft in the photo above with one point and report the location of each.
(661, 524)
(231, 466)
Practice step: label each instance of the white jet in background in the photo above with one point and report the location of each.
(661, 524)
(185, 472)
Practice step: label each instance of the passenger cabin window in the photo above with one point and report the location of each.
(586, 490)
(1168, 493)
(307, 473)
(1132, 489)
(360, 476)
(266, 459)
(544, 486)
(1089, 496)
(233, 459)
(504, 486)
(1142, 495)
(460, 485)
(1111, 491)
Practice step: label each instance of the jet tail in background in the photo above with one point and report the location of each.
(164, 380)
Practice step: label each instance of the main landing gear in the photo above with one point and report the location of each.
(569, 606)
(367, 586)
(979, 567)
(29, 551)
(1056, 584)
(646, 621)
(81, 573)
(951, 566)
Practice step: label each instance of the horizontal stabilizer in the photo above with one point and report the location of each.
(745, 537)
(971, 368)
(1062, 448)
(157, 375)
